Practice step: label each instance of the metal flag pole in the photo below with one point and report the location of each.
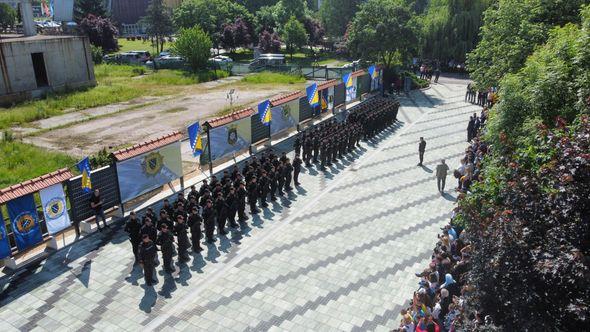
(209, 150)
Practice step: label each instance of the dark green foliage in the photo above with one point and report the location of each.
(194, 45)
(385, 31)
(450, 28)
(158, 22)
(530, 226)
(337, 14)
(83, 8)
(511, 31)
(210, 15)
(7, 16)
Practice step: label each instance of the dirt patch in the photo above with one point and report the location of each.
(144, 123)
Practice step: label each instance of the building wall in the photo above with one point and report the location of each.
(68, 63)
(128, 11)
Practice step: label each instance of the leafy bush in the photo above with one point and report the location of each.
(530, 227)
(97, 54)
(195, 46)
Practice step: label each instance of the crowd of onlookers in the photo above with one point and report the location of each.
(484, 98)
(439, 302)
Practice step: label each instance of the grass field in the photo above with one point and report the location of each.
(267, 77)
(115, 83)
(137, 45)
(21, 162)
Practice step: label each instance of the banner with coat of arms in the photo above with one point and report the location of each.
(148, 171)
(282, 118)
(56, 215)
(230, 138)
(4, 244)
(24, 221)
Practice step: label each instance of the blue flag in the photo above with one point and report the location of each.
(264, 112)
(373, 72)
(195, 140)
(4, 244)
(25, 224)
(84, 168)
(313, 96)
(347, 79)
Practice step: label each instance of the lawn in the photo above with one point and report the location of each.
(137, 45)
(21, 162)
(267, 77)
(115, 83)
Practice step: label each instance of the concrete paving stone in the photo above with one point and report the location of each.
(317, 266)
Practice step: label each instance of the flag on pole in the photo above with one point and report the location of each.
(264, 112)
(373, 72)
(195, 140)
(45, 8)
(347, 79)
(312, 95)
(84, 168)
(324, 103)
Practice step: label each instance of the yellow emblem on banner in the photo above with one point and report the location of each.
(24, 223)
(153, 163)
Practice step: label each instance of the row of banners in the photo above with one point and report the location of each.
(25, 222)
(236, 136)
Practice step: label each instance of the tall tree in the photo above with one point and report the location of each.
(210, 15)
(336, 14)
(158, 22)
(255, 5)
(7, 16)
(512, 30)
(384, 31)
(450, 28)
(83, 8)
(294, 35)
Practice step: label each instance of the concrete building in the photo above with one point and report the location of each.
(32, 66)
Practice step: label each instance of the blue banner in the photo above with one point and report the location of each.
(282, 119)
(195, 140)
(231, 138)
(25, 224)
(149, 171)
(4, 244)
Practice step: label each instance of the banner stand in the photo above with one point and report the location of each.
(9, 263)
(52, 243)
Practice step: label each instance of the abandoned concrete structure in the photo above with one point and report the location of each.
(32, 65)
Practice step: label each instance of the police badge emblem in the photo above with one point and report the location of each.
(55, 208)
(232, 135)
(24, 223)
(152, 163)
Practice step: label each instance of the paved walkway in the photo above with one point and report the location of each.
(339, 255)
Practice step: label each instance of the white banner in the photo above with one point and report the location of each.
(53, 201)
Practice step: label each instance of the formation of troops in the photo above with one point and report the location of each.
(221, 203)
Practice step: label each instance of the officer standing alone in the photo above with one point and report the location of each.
(421, 149)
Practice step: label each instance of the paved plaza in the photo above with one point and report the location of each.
(339, 255)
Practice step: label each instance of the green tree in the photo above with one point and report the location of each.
(7, 16)
(294, 35)
(158, 23)
(255, 5)
(266, 19)
(383, 31)
(82, 8)
(210, 15)
(195, 46)
(450, 28)
(511, 31)
(336, 14)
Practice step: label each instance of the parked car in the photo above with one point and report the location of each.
(221, 59)
(143, 55)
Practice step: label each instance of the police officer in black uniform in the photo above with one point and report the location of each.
(166, 243)
(133, 228)
(147, 256)
(194, 223)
